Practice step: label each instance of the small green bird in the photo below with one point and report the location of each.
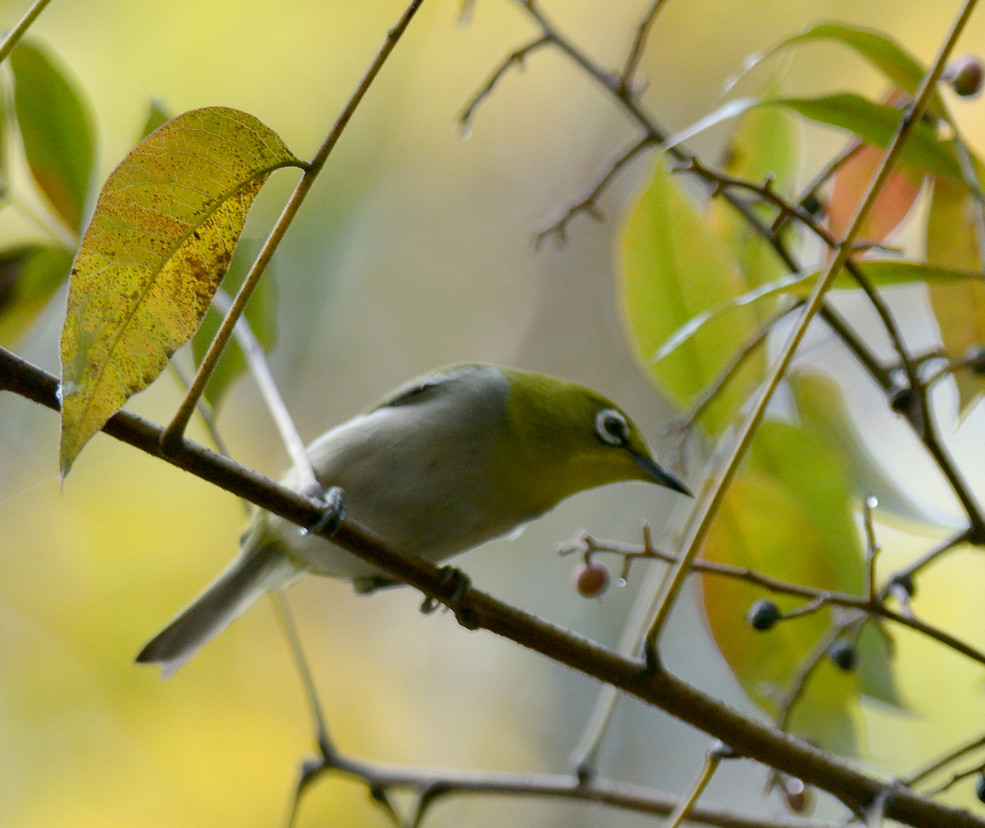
(453, 459)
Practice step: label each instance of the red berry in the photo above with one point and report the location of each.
(590, 579)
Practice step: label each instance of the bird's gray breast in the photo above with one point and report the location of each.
(417, 472)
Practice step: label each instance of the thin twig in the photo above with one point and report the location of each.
(588, 203)
(639, 43)
(809, 193)
(871, 549)
(808, 666)
(907, 573)
(937, 765)
(433, 786)
(625, 96)
(712, 389)
(857, 347)
(15, 34)
(259, 367)
(956, 777)
(687, 806)
(516, 59)
(253, 353)
(584, 757)
(808, 220)
(175, 431)
(286, 615)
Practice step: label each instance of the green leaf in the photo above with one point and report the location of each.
(822, 408)
(952, 241)
(159, 243)
(762, 148)
(879, 272)
(29, 275)
(673, 267)
(260, 313)
(792, 473)
(925, 150)
(885, 54)
(876, 124)
(157, 116)
(57, 131)
(876, 676)
(951, 223)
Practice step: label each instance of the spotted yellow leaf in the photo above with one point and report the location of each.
(158, 245)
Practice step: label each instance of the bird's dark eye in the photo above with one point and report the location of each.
(611, 427)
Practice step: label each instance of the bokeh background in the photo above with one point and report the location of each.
(414, 250)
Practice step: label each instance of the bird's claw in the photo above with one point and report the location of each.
(332, 515)
(453, 590)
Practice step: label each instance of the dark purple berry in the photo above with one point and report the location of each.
(763, 615)
(590, 579)
(843, 653)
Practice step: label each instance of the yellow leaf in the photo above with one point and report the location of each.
(158, 245)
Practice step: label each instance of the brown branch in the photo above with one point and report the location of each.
(474, 609)
(433, 786)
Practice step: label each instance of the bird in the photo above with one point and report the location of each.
(448, 461)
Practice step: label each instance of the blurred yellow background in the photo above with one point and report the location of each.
(414, 250)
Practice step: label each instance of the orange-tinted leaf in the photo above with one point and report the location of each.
(851, 183)
(789, 516)
(159, 243)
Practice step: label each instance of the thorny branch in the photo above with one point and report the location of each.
(432, 787)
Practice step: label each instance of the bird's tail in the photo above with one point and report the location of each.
(254, 573)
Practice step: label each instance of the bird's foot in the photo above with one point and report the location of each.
(332, 515)
(453, 591)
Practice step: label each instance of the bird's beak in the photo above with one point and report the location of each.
(658, 475)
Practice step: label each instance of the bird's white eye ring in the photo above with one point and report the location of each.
(611, 427)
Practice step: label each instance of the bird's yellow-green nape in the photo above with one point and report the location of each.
(565, 438)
